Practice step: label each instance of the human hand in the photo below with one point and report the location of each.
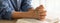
(41, 12)
(38, 13)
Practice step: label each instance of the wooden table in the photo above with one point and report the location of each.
(7, 21)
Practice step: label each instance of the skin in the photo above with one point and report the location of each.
(42, 13)
(30, 14)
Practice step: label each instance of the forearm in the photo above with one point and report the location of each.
(17, 15)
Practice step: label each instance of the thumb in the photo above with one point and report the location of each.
(39, 7)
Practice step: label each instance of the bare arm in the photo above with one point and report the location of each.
(29, 14)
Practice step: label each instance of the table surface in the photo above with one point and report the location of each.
(7, 21)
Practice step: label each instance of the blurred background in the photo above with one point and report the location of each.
(52, 7)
